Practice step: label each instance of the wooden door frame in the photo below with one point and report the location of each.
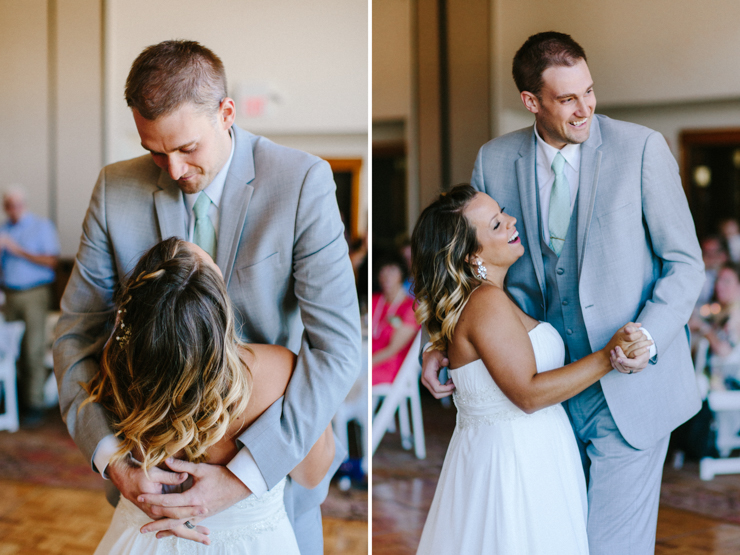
(701, 137)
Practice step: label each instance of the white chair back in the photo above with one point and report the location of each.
(11, 334)
(404, 387)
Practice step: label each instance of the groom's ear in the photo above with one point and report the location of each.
(530, 101)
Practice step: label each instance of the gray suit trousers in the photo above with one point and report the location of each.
(623, 482)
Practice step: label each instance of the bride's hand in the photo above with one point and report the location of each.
(432, 362)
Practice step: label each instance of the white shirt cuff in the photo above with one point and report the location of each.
(106, 448)
(653, 348)
(244, 467)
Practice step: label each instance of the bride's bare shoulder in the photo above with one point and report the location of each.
(271, 367)
(487, 300)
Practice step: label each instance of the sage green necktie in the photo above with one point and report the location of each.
(204, 234)
(559, 216)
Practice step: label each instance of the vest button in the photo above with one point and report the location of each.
(565, 303)
(569, 332)
(560, 271)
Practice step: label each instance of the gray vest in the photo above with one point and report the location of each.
(562, 302)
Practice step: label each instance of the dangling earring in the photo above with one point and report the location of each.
(480, 272)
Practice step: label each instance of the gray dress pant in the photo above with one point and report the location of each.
(623, 482)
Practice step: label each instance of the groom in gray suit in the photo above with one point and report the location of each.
(268, 216)
(608, 239)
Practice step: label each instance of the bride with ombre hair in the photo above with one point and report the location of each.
(512, 481)
(177, 382)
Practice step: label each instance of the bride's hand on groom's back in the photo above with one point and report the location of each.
(432, 362)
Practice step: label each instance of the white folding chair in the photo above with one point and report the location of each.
(354, 407)
(11, 334)
(396, 398)
(725, 407)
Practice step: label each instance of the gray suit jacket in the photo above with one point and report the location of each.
(638, 260)
(283, 255)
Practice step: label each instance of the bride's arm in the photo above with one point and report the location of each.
(501, 340)
(311, 470)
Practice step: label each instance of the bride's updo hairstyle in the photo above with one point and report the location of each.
(170, 375)
(442, 242)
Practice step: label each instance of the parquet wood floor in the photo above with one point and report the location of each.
(42, 520)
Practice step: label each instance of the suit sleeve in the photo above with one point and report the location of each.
(329, 358)
(673, 237)
(84, 326)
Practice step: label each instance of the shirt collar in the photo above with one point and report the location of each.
(571, 152)
(216, 188)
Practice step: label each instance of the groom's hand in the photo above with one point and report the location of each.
(214, 489)
(638, 354)
(131, 481)
(432, 362)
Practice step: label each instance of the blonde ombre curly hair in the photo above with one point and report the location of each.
(171, 375)
(442, 244)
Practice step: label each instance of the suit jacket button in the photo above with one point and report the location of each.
(565, 303)
(569, 331)
(560, 271)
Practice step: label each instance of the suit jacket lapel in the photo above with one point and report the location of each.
(170, 208)
(527, 182)
(235, 202)
(587, 185)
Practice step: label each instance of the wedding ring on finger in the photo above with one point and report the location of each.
(189, 525)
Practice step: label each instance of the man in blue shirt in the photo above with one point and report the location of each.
(30, 246)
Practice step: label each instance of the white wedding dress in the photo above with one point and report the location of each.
(256, 525)
(511, 483)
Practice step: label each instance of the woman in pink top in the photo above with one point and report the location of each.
(394, 325)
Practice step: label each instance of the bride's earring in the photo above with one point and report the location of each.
(480, 272)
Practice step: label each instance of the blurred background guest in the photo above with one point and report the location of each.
(719, 323)
(730, 231)
(30, 247)
(393, 323)
(714, 254)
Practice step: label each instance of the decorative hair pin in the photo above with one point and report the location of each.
(125, 333)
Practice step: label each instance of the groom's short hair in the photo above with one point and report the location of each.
(172, 73)
(541, 51)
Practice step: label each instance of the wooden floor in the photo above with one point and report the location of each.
(403, 488)
(41, 520)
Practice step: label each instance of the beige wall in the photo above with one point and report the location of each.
(658, 53)
(62, 112)
(51, 106)
(312, 58)
(392, 59)
(24, 105)
(664, 64)
(639, 52)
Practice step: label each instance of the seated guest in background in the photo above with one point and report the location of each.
(720, 325)
(30, 246)
(714, 254)
(404, 249)
(394, 324)
(730, 231)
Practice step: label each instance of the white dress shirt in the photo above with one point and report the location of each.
(243, 465)
(546, 177)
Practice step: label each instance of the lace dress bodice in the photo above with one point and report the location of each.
(477, 397)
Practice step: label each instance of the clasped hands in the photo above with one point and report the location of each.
(214, 489)
(630, 349)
